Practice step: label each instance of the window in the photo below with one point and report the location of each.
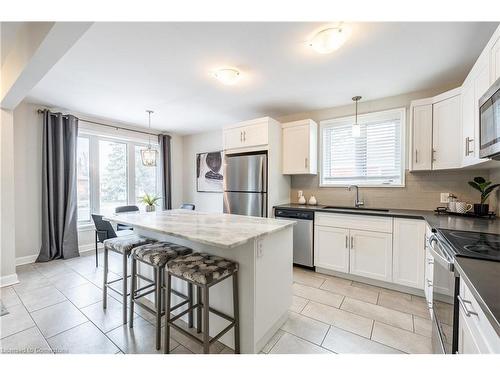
(110, 174)
(83, 179)
(376, 158)
(146, 181)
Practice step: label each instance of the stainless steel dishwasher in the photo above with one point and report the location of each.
(303, 234)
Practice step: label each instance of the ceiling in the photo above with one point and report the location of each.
(118, 70)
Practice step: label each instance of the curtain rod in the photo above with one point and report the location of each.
(110, 126)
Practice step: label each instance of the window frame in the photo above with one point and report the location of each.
(339, 121)
(94, 173)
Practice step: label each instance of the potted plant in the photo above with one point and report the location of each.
(485, 188)
(150, 201)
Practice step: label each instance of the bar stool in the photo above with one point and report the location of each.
(156, 255)
(122, 245)
(203, 271)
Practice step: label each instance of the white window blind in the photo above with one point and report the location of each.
(373, 159)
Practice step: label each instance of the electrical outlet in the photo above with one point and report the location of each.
(445, 197)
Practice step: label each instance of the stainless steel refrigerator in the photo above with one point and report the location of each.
(245, 184)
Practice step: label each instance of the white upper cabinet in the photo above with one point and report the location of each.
(421, 137)
(300, 153)
(495, 58)
(446, 133)
(247, 134)
(408, 262)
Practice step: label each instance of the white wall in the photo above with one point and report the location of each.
(193, 144)
(7, 202)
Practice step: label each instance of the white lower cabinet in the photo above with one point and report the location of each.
(409, 252)
(331, 248)
(466, 342)
(371, 254)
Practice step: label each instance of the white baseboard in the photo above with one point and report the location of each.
(8, 280)
(31, 258)
(26, 260)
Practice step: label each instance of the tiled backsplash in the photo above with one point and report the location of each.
(422, 190)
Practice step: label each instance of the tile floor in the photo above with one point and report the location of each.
(328, 315)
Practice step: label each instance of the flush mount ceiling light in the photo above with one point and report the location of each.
(356, 128)
(329, 40)
(227, 76)
(148, 155)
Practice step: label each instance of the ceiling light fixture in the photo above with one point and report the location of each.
(227, 76)
(148, 155)
(329, 40)
(356, 128)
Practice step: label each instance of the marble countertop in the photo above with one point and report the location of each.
(435, 221)
(220, 230)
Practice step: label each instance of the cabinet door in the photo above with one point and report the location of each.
(422, 137)
(255, 135)
(495, 61)
(466, 341)
(408, 252)
(447, 134)
(469, 122)
(233, 138)
(371, 254)
(296, 150)
(331, 248)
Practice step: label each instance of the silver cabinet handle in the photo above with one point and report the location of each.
(466, 146)
(352, 242)
(430, 261)
(469, 151)
(429, 283)
(346, 241)
(305, 162)
(416, 156)
(466, 310)
(244, 136)
(433, 153)
(241, 136)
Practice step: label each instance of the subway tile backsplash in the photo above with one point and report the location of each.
(421, 192)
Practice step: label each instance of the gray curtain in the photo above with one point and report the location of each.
(59, 202)
(165, 168)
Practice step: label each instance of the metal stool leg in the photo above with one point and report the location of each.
(105, 282)
(190, 304)
(124, 297)
(133, 282)
(158, 306)
(166, 338)
(236, 314)
(96, 252)
(198, 310)
(206, 318)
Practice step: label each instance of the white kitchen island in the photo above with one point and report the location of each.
(261, 246)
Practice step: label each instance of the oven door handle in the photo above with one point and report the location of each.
(438, 255)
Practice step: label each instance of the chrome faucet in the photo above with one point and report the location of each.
(357, 202)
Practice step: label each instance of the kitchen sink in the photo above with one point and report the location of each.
(355, 208)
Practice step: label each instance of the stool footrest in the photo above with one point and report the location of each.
(221, 333)
(185, 333)
(117, 291)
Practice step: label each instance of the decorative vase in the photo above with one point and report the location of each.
(481, 209)
(150, 208)
(302, 199)
(312, 200)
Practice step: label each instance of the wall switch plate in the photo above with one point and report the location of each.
(445, 197)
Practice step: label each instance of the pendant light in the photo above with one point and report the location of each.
(149, 154)
(356, 128)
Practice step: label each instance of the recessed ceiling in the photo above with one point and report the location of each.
(117, 70)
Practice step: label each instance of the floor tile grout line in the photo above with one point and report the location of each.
(301, 338)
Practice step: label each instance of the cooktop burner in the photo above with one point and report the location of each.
(474, 244)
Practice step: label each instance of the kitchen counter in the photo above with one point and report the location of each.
(435, 221)
(221, 230)
(482, 277)
(263, 249)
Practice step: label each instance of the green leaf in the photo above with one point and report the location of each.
(479, 180)
(490, 189)
(475, 185)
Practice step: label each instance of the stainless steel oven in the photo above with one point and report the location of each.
(489, 122)
(445, 288)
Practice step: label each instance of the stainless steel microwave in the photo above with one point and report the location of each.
(489, 123)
